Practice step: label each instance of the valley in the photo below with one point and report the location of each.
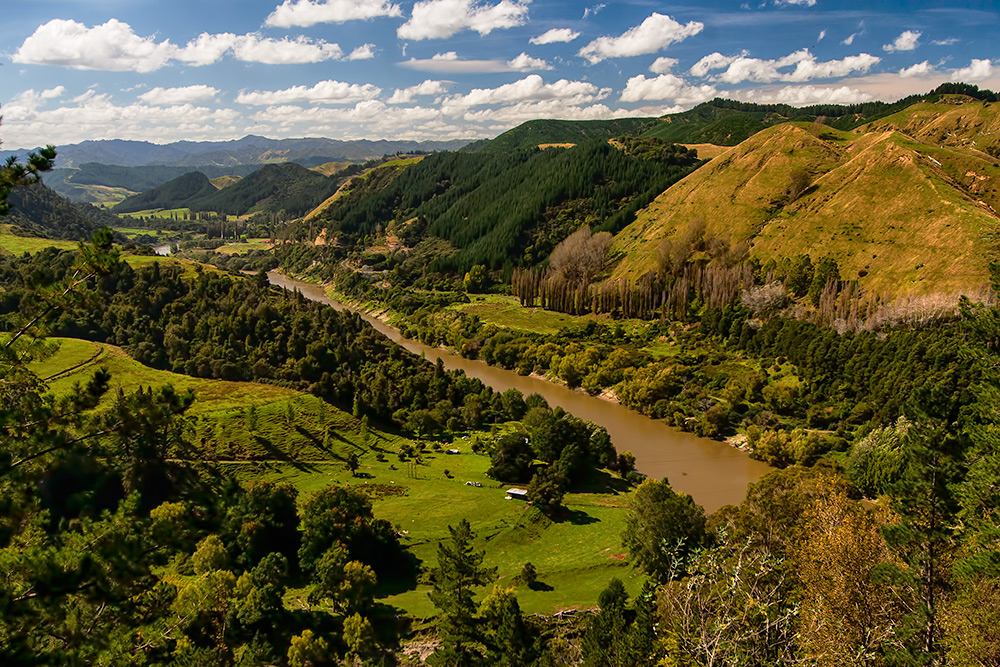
(619, 383)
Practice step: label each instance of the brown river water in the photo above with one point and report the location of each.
(712, 472)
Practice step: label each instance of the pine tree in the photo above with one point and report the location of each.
(460, 568)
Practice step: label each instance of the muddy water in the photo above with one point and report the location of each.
(712, 472)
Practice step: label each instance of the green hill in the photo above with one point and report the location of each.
(39, 211)
(274, 188)
(728, 122)
(543, 131)
(901, 216)
(510, 208)
(177, 193)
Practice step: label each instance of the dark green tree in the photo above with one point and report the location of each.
(460, 569)
(661, 528)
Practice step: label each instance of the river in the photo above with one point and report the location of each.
(712, 472)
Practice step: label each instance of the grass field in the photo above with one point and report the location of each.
(294, 437)
(240, 248)
(18, 245)
(506, 311)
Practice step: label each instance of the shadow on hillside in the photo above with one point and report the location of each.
(601, 481)
(577, 518)
(278, 454)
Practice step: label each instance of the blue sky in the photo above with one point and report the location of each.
(444, 69)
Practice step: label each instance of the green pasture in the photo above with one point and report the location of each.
(293, 437)
(18, 245)
(240, 248)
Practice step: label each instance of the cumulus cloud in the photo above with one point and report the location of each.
(525, 63)
(110, 46)
(920, 69)
(663, 65)
(799, 96)
(654, 34)
(450, 63)
(53, 93)
(95, 116)
(206, 49)
(427, 87)
(305, 13)
(184, 95)
(666, 87)
(438, 19)
(907, 41)
(976, 71)
(554, 36)
(113, 46)
(805, 67)
(363, 52)
(531, 88)
(324, 92)
(252, 48)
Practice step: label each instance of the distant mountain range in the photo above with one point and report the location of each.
(251, 149)
(108, 171)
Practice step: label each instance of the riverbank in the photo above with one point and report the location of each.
(712, 472)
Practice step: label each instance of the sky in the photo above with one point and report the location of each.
(164, 71)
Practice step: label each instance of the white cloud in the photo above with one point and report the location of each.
(714, 61)
(945, 42)
(438, 19)
(113, 46)
(525, 63)
(298, 51)
(663, 65)
(800, 3)
(592, 11)
(427, 87)
(324, 92)
(52, 93)
(206, 49)
(822, 35)
(554, 36)
(976, 71)
(110, 46)
(184, 95)
(666, 87)
(363, 52)
(799, 96)
(450, 63)
(94, 116)
(907, 41)
(530, 89)
(743, 68)
(657, 32)
(305, 13)
(920, 69)
(850, 39)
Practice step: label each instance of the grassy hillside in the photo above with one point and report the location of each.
(727, 122)
(902, 216)
(273, 188)
(40, 211)
(954, 121)
(176, 193)
(543, 131)
(295, 437)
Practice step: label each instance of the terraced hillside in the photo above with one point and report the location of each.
(902, 216)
